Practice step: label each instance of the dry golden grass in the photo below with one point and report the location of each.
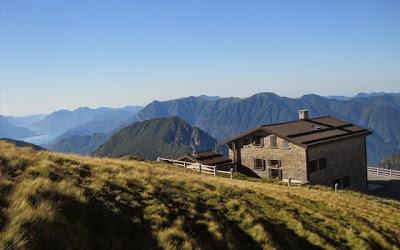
(57, 201)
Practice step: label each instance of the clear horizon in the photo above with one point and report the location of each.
(71, 54)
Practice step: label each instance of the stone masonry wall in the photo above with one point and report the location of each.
(344, 158)
(293, 160)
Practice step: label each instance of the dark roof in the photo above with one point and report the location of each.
(210, 158)
(309, 132)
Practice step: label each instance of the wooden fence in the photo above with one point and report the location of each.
(197, 167)
(394, 174)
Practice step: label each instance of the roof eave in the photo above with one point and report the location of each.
(364, 133)
(265, 130)
(240, 135)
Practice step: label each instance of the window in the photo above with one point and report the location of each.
(316, 165)
(322, 163)
(285, 145)
(274, 163)
(258, 141)
(312, 166)
(345, 181)
(275, 174)
(259, 164)
(274, 143)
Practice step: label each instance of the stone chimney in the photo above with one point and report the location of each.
(303, 114)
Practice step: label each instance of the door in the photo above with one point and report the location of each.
(275, 173)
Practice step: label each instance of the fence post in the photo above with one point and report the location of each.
(215, 170)
(158, 158)
(200, 167)
(377, 171)
(231, 173)
(390, 172)
(336, 187)
(184, 164)
(290, 182)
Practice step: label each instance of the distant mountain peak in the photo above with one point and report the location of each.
(266, 94)
(83, 108)
(209, 98)
(363, 94)
(168, 137)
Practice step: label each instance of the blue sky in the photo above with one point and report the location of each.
(65, 54)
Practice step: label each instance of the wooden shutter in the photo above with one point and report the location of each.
(273, 141)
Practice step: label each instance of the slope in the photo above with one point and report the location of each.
(22, 144)
(56, 201)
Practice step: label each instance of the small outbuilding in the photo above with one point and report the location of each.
(209, 158)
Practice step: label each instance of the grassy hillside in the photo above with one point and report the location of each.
(22, 144)
(56, 201)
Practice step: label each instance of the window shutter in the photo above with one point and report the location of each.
(273, 141)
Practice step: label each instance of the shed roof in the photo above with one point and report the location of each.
(210, 158)
(309, 132)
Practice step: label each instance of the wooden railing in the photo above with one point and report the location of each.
(197, 167)
(395, 174)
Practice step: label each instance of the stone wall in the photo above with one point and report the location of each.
(344, 158)
(293, 159)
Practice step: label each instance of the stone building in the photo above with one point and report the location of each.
(323, 150)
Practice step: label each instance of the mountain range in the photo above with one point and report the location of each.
(77, 131)
(10, 130)
(226, 117)
(83, 130)
(167, 137)
(85, 138)
(83, 144)
(362, 94)
(25, 121)
(99, 119)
